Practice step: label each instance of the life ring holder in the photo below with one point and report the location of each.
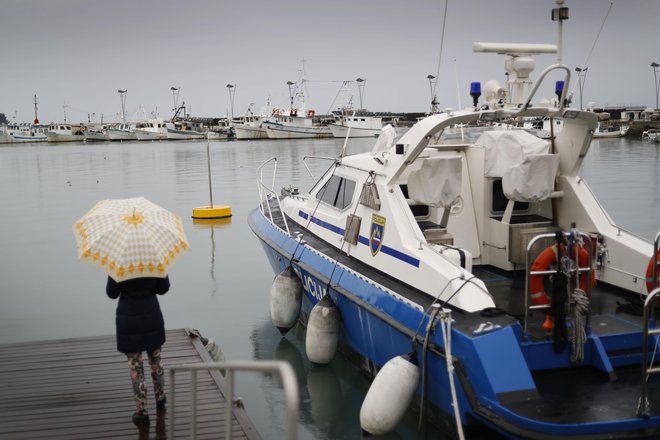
(584, 238)
(548, 257)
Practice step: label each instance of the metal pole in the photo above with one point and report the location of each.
(208, 161)
(655, 77)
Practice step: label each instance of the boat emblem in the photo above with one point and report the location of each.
(376, 234)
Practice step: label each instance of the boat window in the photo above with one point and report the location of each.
(337, 192)
(500, 201)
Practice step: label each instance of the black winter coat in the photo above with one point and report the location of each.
(140, 325)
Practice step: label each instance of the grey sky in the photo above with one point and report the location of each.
(80, 52)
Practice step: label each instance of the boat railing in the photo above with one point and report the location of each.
(644, 407)
(585, 240)
(562, 97)
(283, 368)
(304, 161)
(268, 192)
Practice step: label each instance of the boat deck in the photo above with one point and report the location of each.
(81, 389)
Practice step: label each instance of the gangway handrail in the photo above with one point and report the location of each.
(283, 368)
(644, 407)
(586, 239)
(265, 191)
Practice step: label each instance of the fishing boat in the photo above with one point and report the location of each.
(63, 132)
(650, 135)
(360, 125)
(249, 127)
(151, 130)
(96, 133)
(121, 132)
(611, 131)
(290, 125)
(480, 282)
(23, 132)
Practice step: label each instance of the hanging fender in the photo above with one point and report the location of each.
(547, 258)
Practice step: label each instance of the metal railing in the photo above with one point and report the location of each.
(268, 191)
(644, 408)
(284, 369)
(586, 240)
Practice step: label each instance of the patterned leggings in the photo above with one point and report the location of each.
(137, 378)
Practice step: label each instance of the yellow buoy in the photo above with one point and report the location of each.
(211, 211)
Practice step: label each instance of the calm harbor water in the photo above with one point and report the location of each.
(222, 286)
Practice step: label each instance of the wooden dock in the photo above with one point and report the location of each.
(81, 389)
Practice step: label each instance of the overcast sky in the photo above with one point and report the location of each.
(80, 52)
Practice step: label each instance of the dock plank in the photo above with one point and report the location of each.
(80, 389)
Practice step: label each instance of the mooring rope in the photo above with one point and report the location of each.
(445, 325)
(578, 335)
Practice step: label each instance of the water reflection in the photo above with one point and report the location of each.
(212, 224)
(330, 396)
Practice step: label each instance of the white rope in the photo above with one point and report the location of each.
(445, 325)
(578, 334)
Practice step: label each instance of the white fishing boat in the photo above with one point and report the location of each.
(361, 125)
(180, 131)
(650, 135)
(249, 127)
(5, 137)
(63, 132)
(288, 125)
(482, 280)
(25, 132)
(121, 132)
(152, 130)
(612, 131)
(96, 133)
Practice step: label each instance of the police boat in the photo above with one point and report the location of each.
(472, 272)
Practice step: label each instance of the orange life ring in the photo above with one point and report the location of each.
(543, 262)
(649, 275)
(310, 113)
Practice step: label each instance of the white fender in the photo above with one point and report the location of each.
(389, 395)
(285, 300)
(322, 331)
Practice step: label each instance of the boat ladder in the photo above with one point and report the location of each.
(283, 368)
(644, 408)
(586, 240)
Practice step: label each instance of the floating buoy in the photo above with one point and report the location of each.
(322, 332)
(211, 212)
(285, 300)
(389, 395)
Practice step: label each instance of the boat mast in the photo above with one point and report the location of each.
(36, 118)
(122, 96)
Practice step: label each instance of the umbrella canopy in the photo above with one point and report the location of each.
(130, 238)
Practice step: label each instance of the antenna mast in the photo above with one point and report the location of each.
(559, 15)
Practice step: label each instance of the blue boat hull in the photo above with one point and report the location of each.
(377, 326)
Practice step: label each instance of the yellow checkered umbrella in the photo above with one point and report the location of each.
(130, 238)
